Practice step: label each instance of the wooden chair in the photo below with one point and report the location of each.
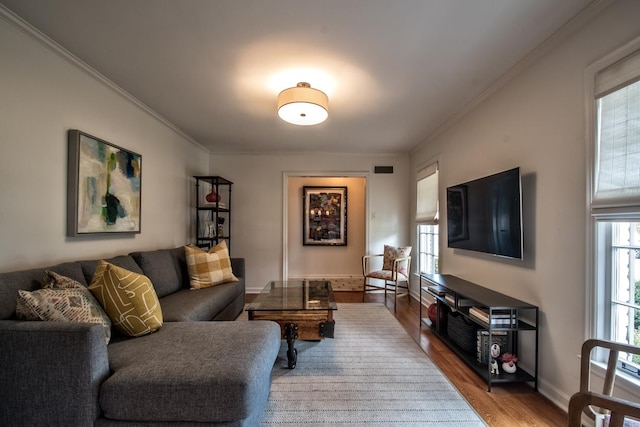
(601, 405)
(391, 279)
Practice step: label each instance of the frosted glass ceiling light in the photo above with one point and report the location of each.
(302, 105)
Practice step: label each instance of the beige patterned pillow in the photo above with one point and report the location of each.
(62, 300)
(391, 253)
(128, 298)
(211, 268)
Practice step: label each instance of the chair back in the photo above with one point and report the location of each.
(601, 405)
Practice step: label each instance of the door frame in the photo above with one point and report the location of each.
(285, 206)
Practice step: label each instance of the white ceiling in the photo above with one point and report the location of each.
(394, 71)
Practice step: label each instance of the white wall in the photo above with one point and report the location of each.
(42, 95)
(537, 122)
(259, 184)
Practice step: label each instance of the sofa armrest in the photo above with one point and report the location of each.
(51, 372)
(237, 265)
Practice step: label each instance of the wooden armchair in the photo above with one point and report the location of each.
(602, 405)
(395, 278)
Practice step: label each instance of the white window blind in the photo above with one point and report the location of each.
(617, 162)
(427, 197)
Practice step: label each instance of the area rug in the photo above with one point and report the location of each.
(371, 374)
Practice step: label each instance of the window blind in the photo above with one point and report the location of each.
(617, 75)
(427, 197)
(617, 168)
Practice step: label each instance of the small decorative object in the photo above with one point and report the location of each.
(220, 226)
(213, 196)
(494, 367)
(495, 350)
(509, 363)
(211, 229)
(431, 312)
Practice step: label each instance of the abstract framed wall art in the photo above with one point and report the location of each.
(103, 187)
(324, 216)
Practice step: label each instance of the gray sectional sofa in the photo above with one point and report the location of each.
(191, 372)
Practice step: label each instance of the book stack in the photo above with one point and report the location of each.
(484, 344)
(464, 302)
(437, 290)
(450, 299)
(219, 205)
(497, 317)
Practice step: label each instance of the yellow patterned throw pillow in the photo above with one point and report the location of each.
(211, 268)
(128, 298)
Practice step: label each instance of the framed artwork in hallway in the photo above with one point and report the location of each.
(324, 216)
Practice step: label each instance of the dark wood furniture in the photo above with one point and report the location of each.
(213, 219)
(505, 315)
(302, 308)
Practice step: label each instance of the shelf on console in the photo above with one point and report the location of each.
(522, 317)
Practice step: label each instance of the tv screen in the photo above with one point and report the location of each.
(485, 215)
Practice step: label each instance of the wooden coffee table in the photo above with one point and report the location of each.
(302, 308)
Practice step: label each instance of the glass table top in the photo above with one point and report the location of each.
(304, 295)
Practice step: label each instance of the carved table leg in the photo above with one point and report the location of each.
(290, 334)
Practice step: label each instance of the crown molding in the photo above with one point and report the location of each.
(585, 15)
(44, 40)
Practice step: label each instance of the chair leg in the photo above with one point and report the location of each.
(395, 297)
(395, 301)
(364, 288)
(408, 294)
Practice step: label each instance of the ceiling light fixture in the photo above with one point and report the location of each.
(302, 105)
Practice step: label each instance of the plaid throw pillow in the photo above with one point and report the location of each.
(208, 269)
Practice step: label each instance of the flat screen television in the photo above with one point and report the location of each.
(485, 215)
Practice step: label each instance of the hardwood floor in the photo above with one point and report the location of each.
(508, 405)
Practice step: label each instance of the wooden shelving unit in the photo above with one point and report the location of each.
(507, 314)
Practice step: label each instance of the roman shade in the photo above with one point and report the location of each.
(427, 197)
(617, 162)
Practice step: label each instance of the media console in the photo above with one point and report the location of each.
(485, 313)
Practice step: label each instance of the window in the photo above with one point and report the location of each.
(427, 218)
(427, 249)
(620, 287)
(614, 180)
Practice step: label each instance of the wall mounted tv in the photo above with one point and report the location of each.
(485, 215)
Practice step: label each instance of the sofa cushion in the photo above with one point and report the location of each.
(192, 372)
(128, 298)
(209, 268)
(30, 280)
(167, 269)
(124, 261)
(62, 300)
(190, 306)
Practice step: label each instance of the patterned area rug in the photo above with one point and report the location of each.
(371, 374)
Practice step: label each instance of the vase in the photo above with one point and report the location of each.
(213, 196)
(509, 368)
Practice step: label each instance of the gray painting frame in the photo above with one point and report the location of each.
(120, 210)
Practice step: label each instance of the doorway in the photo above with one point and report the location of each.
(339, 264)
